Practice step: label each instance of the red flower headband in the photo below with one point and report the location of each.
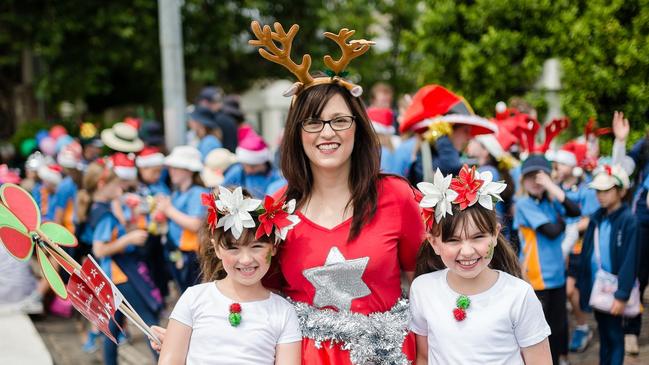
(229, 209)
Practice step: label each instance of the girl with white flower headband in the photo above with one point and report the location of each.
(231, 318)
(468, 303)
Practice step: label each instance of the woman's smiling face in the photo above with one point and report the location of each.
(329, 149)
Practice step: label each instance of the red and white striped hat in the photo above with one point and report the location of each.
(150, 157)
(124, 166)
(50, 173)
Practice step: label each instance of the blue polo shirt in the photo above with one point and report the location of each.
(107, 230)
(583, 196)
(64, 198)
(207, 144)
(604, 249)
(387, 159)
(403, 157)
(188, 202)
(257, 184)
(541, 256)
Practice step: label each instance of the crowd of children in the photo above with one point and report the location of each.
(560, 226)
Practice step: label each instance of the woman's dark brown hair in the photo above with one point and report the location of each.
(485, 220)
(211, 266)
(365, 160)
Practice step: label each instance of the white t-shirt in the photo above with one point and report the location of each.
(499, 321)
(264, 325)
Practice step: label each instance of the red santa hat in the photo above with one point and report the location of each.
(70, 156)
(434, 104)
(381, 120)
(124, 166)
(50, 173)
(150, 157)
(252, 149)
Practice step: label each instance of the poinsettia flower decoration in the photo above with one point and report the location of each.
(468, 188)
(277, 214)
(208, 200)
(466, 185)
(438, 195)
(490, 190)
(236, 210)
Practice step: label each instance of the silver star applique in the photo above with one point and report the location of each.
(339, 281)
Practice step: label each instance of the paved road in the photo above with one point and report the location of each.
(64, 337)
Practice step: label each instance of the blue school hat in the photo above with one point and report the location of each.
(535, 163)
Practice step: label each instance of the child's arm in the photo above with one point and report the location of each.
(288, 353)
(422, 350)
(102, 249)
(538, 354)
(185, 221)
(176, 343)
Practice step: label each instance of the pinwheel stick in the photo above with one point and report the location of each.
(52, 248)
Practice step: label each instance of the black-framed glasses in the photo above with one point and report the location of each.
(315, 125)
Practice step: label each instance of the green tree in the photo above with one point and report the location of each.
(490, 50)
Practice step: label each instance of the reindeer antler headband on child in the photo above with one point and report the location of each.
(466, 189)
(269, 50)
(232, 211)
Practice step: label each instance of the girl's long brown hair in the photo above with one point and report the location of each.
(485, 220)
(365, 160)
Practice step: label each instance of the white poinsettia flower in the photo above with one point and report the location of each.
(438, 195)
(490, 189)
(281, 233)
(290, 206)
(235, 209)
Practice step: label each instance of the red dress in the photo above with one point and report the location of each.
(322, 269)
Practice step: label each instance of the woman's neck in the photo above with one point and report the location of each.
(472, 286)
(331, 183)
(242, 293)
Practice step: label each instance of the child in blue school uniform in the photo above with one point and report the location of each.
(50, 176)
(64, 201)
(149, 164)
(570, 178)
(540, 224)
(254, 172)
(184, 213)
(115, 250)
(203, 122)
(610, 244)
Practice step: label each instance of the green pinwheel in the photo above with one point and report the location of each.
(21, 230)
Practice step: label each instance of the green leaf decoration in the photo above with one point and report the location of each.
(58, 234)
(343, 74)
(8, 219)
(50, 274)
(330, 73)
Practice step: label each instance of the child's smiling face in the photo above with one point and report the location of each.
(468, 251)
(246, 264)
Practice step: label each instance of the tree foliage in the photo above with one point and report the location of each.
(490, 50)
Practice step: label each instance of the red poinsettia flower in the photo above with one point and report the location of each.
(466, 186)
(274, 215)
(235, 308)
(427, 214)
(459, 314)
(207, 199)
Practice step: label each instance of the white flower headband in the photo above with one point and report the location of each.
(469, 187)
(232, 211)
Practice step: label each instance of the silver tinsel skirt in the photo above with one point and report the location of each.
(371, 339)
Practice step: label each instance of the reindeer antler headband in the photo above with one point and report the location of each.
(266, 40)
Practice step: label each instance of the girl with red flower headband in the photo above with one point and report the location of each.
(468, 303)
(231, 318)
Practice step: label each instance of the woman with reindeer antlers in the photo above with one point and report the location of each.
(361, 230)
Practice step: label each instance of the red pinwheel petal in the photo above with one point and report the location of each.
(22, 205)
(17, 243)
